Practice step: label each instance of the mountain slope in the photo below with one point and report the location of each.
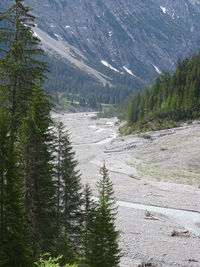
(141, 36)
(118, 43)
(70, 53)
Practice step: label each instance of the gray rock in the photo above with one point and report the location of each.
(144, 36)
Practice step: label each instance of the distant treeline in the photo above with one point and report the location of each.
(172, 97)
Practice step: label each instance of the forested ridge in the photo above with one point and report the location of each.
(44, 208)
(173, 97)
(77, 86)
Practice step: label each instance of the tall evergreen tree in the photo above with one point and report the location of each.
(19, 64)
(20, 74)
(88, 220)
(69, 197)
(35, 142)
(104, 249)
(58, 178)
(13, 248)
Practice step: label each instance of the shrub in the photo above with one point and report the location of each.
(47, 261)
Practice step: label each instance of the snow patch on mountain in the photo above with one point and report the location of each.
(58, 36)
(108, 65)
(195, 2)
(69, 53)
(157, 69)
(135, 34)
(164, 10)
(129, 71)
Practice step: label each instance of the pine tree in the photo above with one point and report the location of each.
(58, 178)
(20, 68)
(28, 108)
(88, 219)
(69, 198)
(104, 250)
(13, 243)
(133, 109)
(35, 141)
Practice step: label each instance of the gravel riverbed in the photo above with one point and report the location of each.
(161, 171)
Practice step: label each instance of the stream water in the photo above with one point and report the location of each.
(190, 220)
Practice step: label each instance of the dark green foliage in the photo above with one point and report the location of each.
(13, 249)
(172, 97)
(35, 141)
(88, 219)
(41, 204)
(20, 68)
(26, 181)
(69, 197)
(104, 250)
(79, 86)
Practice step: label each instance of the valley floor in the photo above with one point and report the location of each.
(161, 171)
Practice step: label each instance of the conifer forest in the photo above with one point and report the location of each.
(45, 211)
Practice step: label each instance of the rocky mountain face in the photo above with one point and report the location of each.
(139, 38)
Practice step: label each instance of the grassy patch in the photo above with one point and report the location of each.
(146, 126)
(168, 174)
(160, 173)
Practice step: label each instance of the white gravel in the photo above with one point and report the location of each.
(156, 169)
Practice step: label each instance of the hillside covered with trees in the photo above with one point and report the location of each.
(172, 98)
(77, 86)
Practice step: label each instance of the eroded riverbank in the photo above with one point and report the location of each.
(146, 169)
